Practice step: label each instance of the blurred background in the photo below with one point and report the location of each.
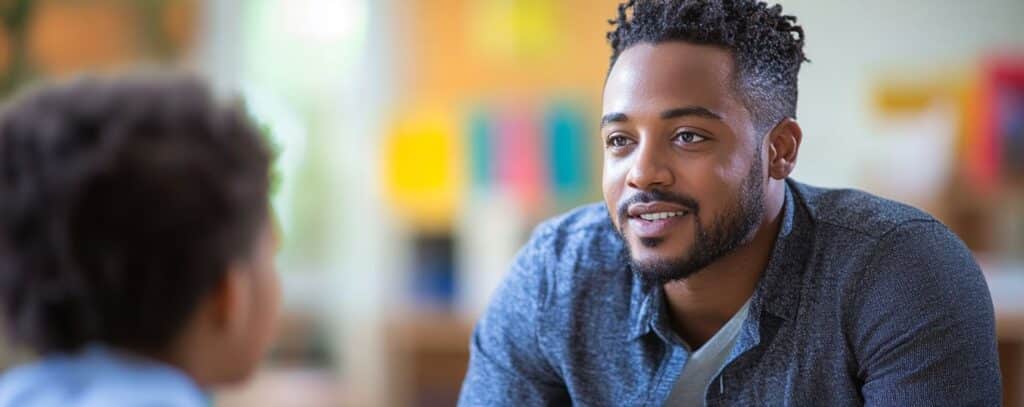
(420, 141)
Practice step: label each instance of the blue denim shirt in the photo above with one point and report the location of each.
(864, 301)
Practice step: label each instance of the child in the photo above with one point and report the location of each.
(136, 243)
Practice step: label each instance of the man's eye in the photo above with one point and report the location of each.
(689, 137)
(618, 141)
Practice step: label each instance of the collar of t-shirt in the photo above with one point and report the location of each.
(704, 364)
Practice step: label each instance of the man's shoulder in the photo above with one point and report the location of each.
(578, 263)
(857, 210)
(567, 251)
(578, 230)
(906, 243)
(587, 219)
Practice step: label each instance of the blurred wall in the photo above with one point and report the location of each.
(853, 44)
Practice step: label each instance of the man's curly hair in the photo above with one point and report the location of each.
(767, 45)
(122, 203)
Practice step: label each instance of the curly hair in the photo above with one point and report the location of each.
(124, 201)
(767, 46)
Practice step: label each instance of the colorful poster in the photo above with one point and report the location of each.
(521, 159)
(481, 131)
(997, 150)
(569, 152)
(1008, 111)
(424, 169)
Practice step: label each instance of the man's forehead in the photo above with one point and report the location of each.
(668, 73)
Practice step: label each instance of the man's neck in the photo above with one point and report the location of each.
(701, 304)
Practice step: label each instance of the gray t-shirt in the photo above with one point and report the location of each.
(704, 364)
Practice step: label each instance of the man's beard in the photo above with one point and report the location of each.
(728, 231)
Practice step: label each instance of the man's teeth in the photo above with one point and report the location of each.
(661, 215)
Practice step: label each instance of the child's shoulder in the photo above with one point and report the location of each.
(96, 377)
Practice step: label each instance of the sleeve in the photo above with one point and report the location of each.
(506, 365)
(924, 328)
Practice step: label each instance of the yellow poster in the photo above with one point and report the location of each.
(423, 169)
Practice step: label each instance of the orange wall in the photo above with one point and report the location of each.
(448, 62)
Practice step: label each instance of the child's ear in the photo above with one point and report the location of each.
(232, 300)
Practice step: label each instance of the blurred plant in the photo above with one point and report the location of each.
(15, 19)
(163, 29)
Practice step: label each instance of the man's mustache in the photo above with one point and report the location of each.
(657, 195)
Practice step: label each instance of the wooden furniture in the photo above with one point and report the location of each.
(430, 351)
(429, 354)
(1007, 288)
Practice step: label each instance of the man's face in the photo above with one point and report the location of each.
(683, 169)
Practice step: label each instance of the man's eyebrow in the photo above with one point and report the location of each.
(614, 118)
(698, 111)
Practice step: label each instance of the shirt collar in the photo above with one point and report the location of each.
(157, 381)
(645, 308)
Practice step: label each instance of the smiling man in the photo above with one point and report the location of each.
(708, 276)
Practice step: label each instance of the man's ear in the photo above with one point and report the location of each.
(232, 300)
(783, 147)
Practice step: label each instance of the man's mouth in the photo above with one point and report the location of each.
(655, 219)
(652, 211)
(653, 216)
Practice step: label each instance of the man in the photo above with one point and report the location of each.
(711, 278)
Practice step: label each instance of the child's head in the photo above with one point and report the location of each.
(134, 213)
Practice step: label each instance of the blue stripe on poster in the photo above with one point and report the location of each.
(481, 148)
(568, 148)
